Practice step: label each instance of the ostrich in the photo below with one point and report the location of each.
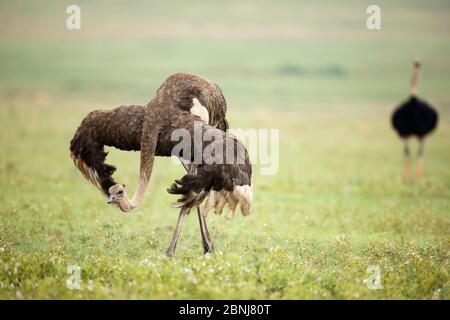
(184, 91)
(415, 117)
(181, 99)
(212, 183)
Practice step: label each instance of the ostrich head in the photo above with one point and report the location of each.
(118, 196)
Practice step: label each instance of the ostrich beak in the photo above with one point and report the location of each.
(111, 199)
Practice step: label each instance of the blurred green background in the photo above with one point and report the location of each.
(310, 68)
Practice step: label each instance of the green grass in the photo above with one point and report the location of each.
(337, 206)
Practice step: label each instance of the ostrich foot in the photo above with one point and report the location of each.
(170, 253)
(208, 248)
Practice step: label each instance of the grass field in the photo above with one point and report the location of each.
(337, 205)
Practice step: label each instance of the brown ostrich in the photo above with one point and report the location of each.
(180, 102)
(414, 118)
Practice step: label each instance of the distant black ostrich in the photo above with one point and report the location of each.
(414, 118)
(180, 102)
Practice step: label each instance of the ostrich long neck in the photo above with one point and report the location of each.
(149, 141)
(127, 204)
(415, 78)
(140, 191)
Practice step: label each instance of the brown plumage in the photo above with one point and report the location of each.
(181, 101)
(226, 182)
(180, 89)
(122, 127)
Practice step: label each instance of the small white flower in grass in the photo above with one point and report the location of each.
(193, 279)
(207, 255)
(2, 249)
(147, 262)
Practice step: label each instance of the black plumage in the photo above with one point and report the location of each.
(415, 117)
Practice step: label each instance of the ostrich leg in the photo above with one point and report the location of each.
(420, 160)
(173, 244)
(206, 238)
(406, 165)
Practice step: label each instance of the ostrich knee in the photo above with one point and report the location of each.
(406, 163)
(420, 160)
